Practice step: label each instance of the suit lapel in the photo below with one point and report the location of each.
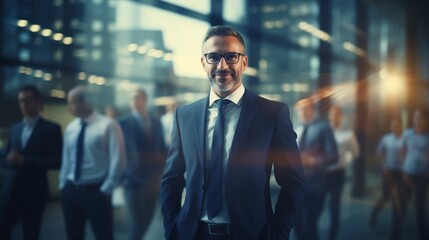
(136, 130)
(249, 108)
(200, 130)
(16, 144)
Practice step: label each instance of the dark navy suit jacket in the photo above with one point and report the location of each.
(319, 143)
(264, 138)
(145, 154)
(42, 152)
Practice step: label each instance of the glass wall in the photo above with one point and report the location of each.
(295, 48)
(162, 57)
(386, 54)
(117, 46)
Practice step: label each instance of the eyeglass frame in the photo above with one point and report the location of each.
(223, 56)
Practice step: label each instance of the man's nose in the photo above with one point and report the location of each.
(222, 64)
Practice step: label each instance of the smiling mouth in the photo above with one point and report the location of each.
(223, 74)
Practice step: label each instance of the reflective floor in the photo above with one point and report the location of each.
(354, 220)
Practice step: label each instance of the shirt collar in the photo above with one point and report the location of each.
(136, 114)
(234, 97)
(31, 122)
(139, 116)
(89, 118)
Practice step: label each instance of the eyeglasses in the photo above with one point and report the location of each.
(230, 57)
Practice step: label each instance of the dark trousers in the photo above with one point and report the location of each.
(141, 203)
(392, 188)
(307, 224)
(335, 184)
(420, 186)
(29, 213)
(87, 203)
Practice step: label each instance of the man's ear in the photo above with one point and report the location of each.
(203, 62)
(245, 62)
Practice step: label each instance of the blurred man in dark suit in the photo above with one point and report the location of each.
(33, 147)
(145, 150)
(318, 150)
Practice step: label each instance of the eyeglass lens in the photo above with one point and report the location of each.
(216, 57)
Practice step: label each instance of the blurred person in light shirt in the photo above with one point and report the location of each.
(416, 166)
(348, 150)
(389, 151)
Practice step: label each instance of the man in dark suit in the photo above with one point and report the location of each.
(227, 172)
(145, 150)
(33, 147)
(318, 150)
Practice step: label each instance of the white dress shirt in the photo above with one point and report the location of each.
(348, 148)
(27, 130)
(103, 153)
(416, 160)
(390, 149)
(167, 121)
(231, 115)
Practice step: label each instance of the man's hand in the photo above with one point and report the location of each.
(308, 160)
(14, 158)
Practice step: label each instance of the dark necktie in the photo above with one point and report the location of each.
(79, 151)
(303, 140)
(214, 189)
(146, 127)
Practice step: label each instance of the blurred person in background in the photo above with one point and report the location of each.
(33, 147)
(348, 150)
(167, 121)
(110, 111)
(223, 149)
(318, 148)
(92, 165)
(146, 153)
(389, 151)
(416, 166)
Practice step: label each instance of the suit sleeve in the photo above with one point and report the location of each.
(116, 148)
(5, 150)
(173, 181)
(161, 148)
(289, 175)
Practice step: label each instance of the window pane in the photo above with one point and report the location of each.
(45, 79)
(294, 20)
(287, 75)
(344, 32)
(202, 6)
(235, 11)
(156, 54)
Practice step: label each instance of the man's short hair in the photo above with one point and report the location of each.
(83, 94)
(305, 102)
(223, 31)
(142, 91)
(424, 113)
(34, 91)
